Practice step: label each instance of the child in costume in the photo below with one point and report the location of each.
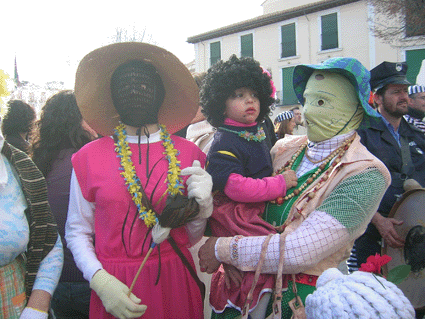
(340, 186)
(235, 97)
(121, 183)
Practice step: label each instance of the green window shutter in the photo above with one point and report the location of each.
(215, 52)
(288, 94)
(414, 61)
(288, 40)
(247, 46)
(329, 31)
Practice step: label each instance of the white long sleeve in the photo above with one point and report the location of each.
(79, 230)
(319, 236)
(340, 219)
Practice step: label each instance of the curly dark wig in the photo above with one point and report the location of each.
(19, 118)
(59, 127)
(223, 78)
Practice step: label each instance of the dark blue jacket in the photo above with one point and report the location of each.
(380, 142)
(230, 153)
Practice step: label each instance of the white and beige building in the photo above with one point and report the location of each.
(293, 32)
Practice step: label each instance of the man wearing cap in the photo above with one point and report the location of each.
(416, 107)
(398, 145)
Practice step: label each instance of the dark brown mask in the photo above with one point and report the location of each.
(137, 93)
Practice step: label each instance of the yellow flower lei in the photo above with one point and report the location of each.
(175, 183)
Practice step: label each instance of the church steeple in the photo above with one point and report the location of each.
(17, 83)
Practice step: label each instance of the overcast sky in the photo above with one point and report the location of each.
(49, 38)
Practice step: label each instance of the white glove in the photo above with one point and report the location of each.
(195, 230)
(31, 313)
(113, 294)
(199, 186)
(159, 233)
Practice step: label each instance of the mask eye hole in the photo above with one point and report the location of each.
(320, 102)
(319, 77)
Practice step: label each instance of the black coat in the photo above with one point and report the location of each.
(381, 143)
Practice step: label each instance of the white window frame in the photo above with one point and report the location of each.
(319, 24)
(240, 35)
(209, 50)
(296, 39)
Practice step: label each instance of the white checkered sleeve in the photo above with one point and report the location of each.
(319, 236)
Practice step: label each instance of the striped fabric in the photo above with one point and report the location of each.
(352, 261)
(416, 122)
(285, 115)
(413, 89)
(43, 229)
(12, 288)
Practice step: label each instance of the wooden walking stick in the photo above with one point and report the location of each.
(140, 268)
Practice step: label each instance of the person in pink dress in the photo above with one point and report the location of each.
(235, 97)
(135, 95)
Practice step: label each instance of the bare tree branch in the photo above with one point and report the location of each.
(396, 21)
(133, 35)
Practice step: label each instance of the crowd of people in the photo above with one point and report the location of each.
(106, 190)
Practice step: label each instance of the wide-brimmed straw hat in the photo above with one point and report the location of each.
(93, 80)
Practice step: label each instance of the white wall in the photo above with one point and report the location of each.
(355, 40)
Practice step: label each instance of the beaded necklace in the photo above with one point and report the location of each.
(273, 210)
(323, 168)
(257, 137)
(174, 181)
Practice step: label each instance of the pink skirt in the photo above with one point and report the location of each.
(231, 218)
(175, 296)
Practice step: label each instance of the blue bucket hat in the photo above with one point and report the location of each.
(351, 68)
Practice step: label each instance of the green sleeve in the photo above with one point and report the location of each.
(355, 199)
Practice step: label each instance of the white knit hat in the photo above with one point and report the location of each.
(359, 295)
(416, 89)
(285, 115)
